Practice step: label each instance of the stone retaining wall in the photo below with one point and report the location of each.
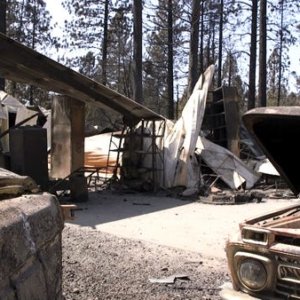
(30, 248)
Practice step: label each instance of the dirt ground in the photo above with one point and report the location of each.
(139, 246)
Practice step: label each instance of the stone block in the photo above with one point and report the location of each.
(7, 293)
(15, 247)
(42, 215)
(30, 282)
(30, 248)
(50, 257)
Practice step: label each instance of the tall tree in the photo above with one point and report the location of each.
(194, 46)
(273, 80)
(201, 54)
(137, 51)
(252, 64)
(230, 69)
(158, 67)
(119, 58)
(85, 29)
(262, 80)
(209, 22)
(104, 43)
(220, 43)
(3, 5)
(231, 75)
(280, 51)
(282, 33)
(281, 36)
(29, 22)
(170, 62)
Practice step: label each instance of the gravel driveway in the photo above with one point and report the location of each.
(139, 246)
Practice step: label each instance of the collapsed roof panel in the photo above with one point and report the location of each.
(22, 64)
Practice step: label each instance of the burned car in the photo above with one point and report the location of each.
(264, 259)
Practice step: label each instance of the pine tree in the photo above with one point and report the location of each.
(231, 75)
(194, 46)
(119, 59)
(157, 66)
(29, 22)
(273, 68)
(137, 51)
(104, 43)
(253, 56)
(3, 5)
(84, 29)
(170, 78)
(282, 34)
(262, 79)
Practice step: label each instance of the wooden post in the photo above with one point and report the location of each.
(67, 143)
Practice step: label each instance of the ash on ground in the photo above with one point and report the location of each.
(98, 265)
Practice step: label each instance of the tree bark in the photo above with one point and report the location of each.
(137, 51)
(262, 85)
(3, 6)
(170, 62)
(280, 53)
(201, 65)
(194, 46)
(252, 67)
(104, 44)
(220, 44)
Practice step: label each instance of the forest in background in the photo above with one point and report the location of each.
(153, 51)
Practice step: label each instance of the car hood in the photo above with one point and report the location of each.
(276, 130)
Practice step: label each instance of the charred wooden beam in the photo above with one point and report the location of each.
(22, 64)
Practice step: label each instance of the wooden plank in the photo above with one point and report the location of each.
(68, 211)
(22, 64)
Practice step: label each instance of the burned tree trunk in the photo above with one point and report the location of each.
(137, 52)
(252, 67)
(194, 41)
(3, 6)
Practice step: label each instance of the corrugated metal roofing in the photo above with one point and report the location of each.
(22, 64)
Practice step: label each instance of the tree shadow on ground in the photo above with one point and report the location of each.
(107, 206)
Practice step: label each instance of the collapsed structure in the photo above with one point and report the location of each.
(150, 151)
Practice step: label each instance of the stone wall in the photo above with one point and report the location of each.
(30, 248)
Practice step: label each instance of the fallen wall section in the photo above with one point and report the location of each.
(30, 248)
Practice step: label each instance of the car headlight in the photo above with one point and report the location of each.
(252, 274)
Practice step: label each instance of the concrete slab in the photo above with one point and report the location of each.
(187, 225)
